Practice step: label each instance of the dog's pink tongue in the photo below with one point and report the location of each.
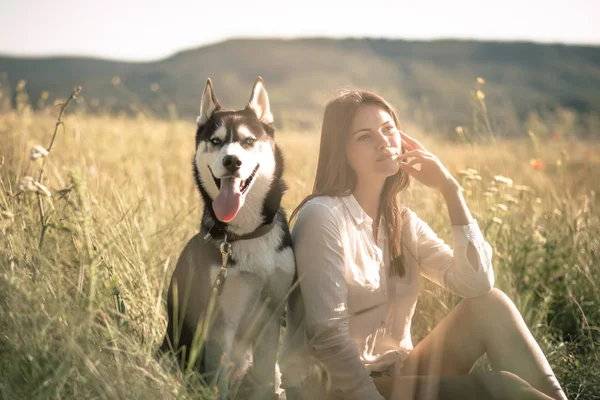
(229, 200)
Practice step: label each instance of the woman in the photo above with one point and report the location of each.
(352, 311)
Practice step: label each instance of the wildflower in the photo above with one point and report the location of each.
(480, 80)
(38, 152)
(558, 163)
(510, 199)
(488, 194)
(6, 219)
(538, 200)
(44, 95)
(473, 177)
(480, 95)
(536, 164)
(492, 189)
(539, 237)
(503, 179)
(154, 87)
(497, 220)
(523, 188)
(116, 80)
(26, 185)
(467, 172)
(502, 207)
(42, 189)
(21, 85)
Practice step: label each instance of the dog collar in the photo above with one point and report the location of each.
(218, 232)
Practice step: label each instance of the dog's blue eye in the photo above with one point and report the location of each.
(215, 141)
(249, 141)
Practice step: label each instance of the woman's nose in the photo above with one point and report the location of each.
(382, 141)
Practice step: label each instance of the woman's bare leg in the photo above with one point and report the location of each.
(488, 324)
(481, 386)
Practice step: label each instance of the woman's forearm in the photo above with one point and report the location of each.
(455, 202)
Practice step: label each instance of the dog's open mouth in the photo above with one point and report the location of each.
(232, 192)
(244, 185)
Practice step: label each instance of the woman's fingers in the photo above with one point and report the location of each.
(412, 171)
(414, 153)
(419, 160)
(412, 142)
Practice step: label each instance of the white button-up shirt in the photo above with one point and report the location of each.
(349, 314)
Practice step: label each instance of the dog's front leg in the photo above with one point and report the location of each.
(239, 292)
(265, 357)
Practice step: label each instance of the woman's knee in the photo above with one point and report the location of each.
(490, 312)
(492, 303)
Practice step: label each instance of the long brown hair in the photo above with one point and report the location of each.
(335, 177)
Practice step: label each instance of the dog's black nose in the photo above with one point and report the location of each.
(232, 163)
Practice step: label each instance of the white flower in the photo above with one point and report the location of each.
(523, 188)
(38, 152)
(539, 237)
(497, 220)
(28, 184)
(6, 219)
(25, 184)
(503, 179)
(510, 199)
(502, 207)
(468, 172)
(42, 189)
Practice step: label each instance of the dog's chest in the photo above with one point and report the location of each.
(259, 257)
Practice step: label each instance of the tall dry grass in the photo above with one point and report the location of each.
(82, 313)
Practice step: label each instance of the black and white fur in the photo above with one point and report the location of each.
(261, 269)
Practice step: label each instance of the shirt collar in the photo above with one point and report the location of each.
(356, 210)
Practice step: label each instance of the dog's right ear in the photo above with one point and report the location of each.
(209, 103)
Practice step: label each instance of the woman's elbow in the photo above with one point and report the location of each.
(483, 285)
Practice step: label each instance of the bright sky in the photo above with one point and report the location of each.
(151, 29)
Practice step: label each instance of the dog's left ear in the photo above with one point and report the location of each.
(209, 103)
(259, 102)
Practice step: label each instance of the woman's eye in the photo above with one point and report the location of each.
(363, 137)
(215, 141)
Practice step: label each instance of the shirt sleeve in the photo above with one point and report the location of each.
(320, 261)
(467, 270)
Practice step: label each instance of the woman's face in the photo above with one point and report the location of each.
(373, 144)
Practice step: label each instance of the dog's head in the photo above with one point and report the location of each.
(235, 151)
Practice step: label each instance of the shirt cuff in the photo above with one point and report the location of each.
(470, 233)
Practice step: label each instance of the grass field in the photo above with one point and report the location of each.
(84, 267)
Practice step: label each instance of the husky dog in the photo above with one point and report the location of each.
(238, 169)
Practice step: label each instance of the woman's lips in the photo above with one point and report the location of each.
(389, 156)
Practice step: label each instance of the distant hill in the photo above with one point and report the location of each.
(429, 82)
